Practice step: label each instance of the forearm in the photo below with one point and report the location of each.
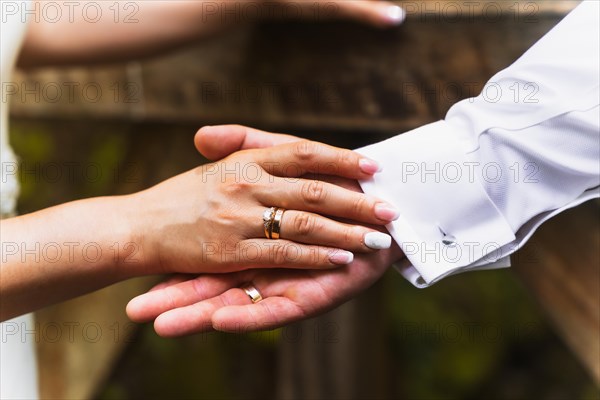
(109, 31)
(112, 31)
(66, 251)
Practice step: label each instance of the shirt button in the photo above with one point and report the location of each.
(449, 240)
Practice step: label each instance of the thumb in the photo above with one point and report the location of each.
(216, 142)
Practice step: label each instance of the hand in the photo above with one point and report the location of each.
(375, 13)
(210, 219)
(162, 26)
(185, 305)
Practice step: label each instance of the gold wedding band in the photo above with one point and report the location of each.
(276, 225)
(252, 292)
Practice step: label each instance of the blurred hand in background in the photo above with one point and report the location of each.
(115, 31)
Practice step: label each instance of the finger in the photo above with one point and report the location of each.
(270, 313)
(308, 228)
(326, 199)
(298, 158)
(287, 297)
(266, 253)
(376, 13)
(197, 317)
(217, 142)
(149, 305)
(173, 280)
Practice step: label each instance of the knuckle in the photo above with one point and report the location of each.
(305, 150)
(286, 254)
(279, 254)
(314, 192)
(360, 204)
(237, 187)
(346, 158)
(304, 224)
(224, 219)
(273, 316)
(349, 235)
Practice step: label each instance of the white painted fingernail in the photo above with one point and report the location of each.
(378, 240)
(341, 257)
(395, 14)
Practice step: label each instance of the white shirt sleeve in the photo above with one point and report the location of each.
(474, 187)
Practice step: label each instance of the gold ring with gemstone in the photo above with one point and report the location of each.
(268, 216)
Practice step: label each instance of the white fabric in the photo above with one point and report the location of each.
(473, 188)
(12, 30)
(18, 368)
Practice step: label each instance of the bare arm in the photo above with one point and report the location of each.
(63, 33)
(65, 251)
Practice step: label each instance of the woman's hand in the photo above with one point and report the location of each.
(125, 30)
(210, 219)
(185, 304)
(380, 14)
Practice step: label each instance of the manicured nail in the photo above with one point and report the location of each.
(369, 166)
(386, 212)
(394, 14)
(341, 257)
(378, 240)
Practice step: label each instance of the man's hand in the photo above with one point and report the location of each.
(185, 305)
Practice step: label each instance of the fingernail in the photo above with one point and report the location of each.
(341, 257)
(378, 240)
(394, 14)
(386, 212)
(369, 166)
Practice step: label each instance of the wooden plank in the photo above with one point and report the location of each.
(561, 268)
(337, 76)
(80, 340)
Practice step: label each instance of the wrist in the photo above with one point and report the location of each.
(131, 256)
